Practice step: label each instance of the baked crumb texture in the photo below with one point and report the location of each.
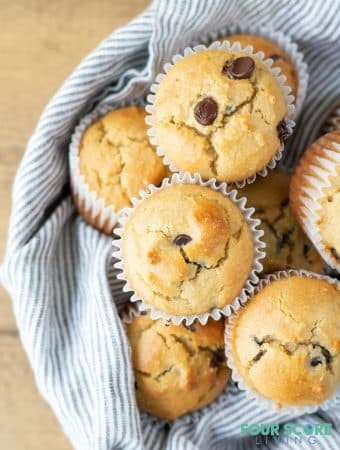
(287, 247)
(286, 341)
(187, 249)
(243, 137)
(116, 158)
(177, 369)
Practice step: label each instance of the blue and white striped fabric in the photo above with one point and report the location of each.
(58, 269)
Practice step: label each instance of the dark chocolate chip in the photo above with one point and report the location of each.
(167, 323)
(275, 57)
(206, 111)
(182, 239)
(258, 341)
(315, 361)
(326, 354)
(284, 202)
(282, 131)
(220, 354)
(213, 363)
(306, 249)
(259, 356)
(240, 68)
(218, 358)
(335, 253)
(285, 239)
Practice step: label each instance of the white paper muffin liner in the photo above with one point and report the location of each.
(130, 311)
(264, 401)
(101, 216)
(225, 45)
(284, 42)
(216, 313)
(310, 194)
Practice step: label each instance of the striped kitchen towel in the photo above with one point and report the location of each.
(58, 269)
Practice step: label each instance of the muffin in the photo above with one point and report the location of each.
(287, 247)
(187, 249)
(315, 196)
(285, 342)
(332, 122)
(272, 51)
(220, 113)
(116, 161)
(177, 369)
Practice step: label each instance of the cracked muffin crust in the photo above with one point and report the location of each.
(177, 369)
(287, 247)
(315, 187)
(220, 113)
(272, 51)
(187, 249)
(286, 341)
(116, 158)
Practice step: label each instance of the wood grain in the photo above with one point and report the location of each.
(40, 43)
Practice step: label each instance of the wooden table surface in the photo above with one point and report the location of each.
(40, 43)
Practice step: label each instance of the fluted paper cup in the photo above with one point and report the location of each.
(252, 223)
(236, 377)
(225, 45)
(87, 201)
(312, 176)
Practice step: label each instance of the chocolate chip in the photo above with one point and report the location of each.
(306, 249)
(284, 202)
(259, 356)
(335, 253)
(240, 68)
(257, 340)
(326, 354)
(206, 111)
(182, 239)
(218, 358)
(219, 354)
(285, 239)
(275, 57)
(282, 131)
(315, 361)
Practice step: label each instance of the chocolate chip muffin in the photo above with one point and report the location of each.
(285, 342)
(177, 369)
(287, 247)
(220, 113)
(315, 195)
(272, 51)
(116, 159)
(187, 249)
